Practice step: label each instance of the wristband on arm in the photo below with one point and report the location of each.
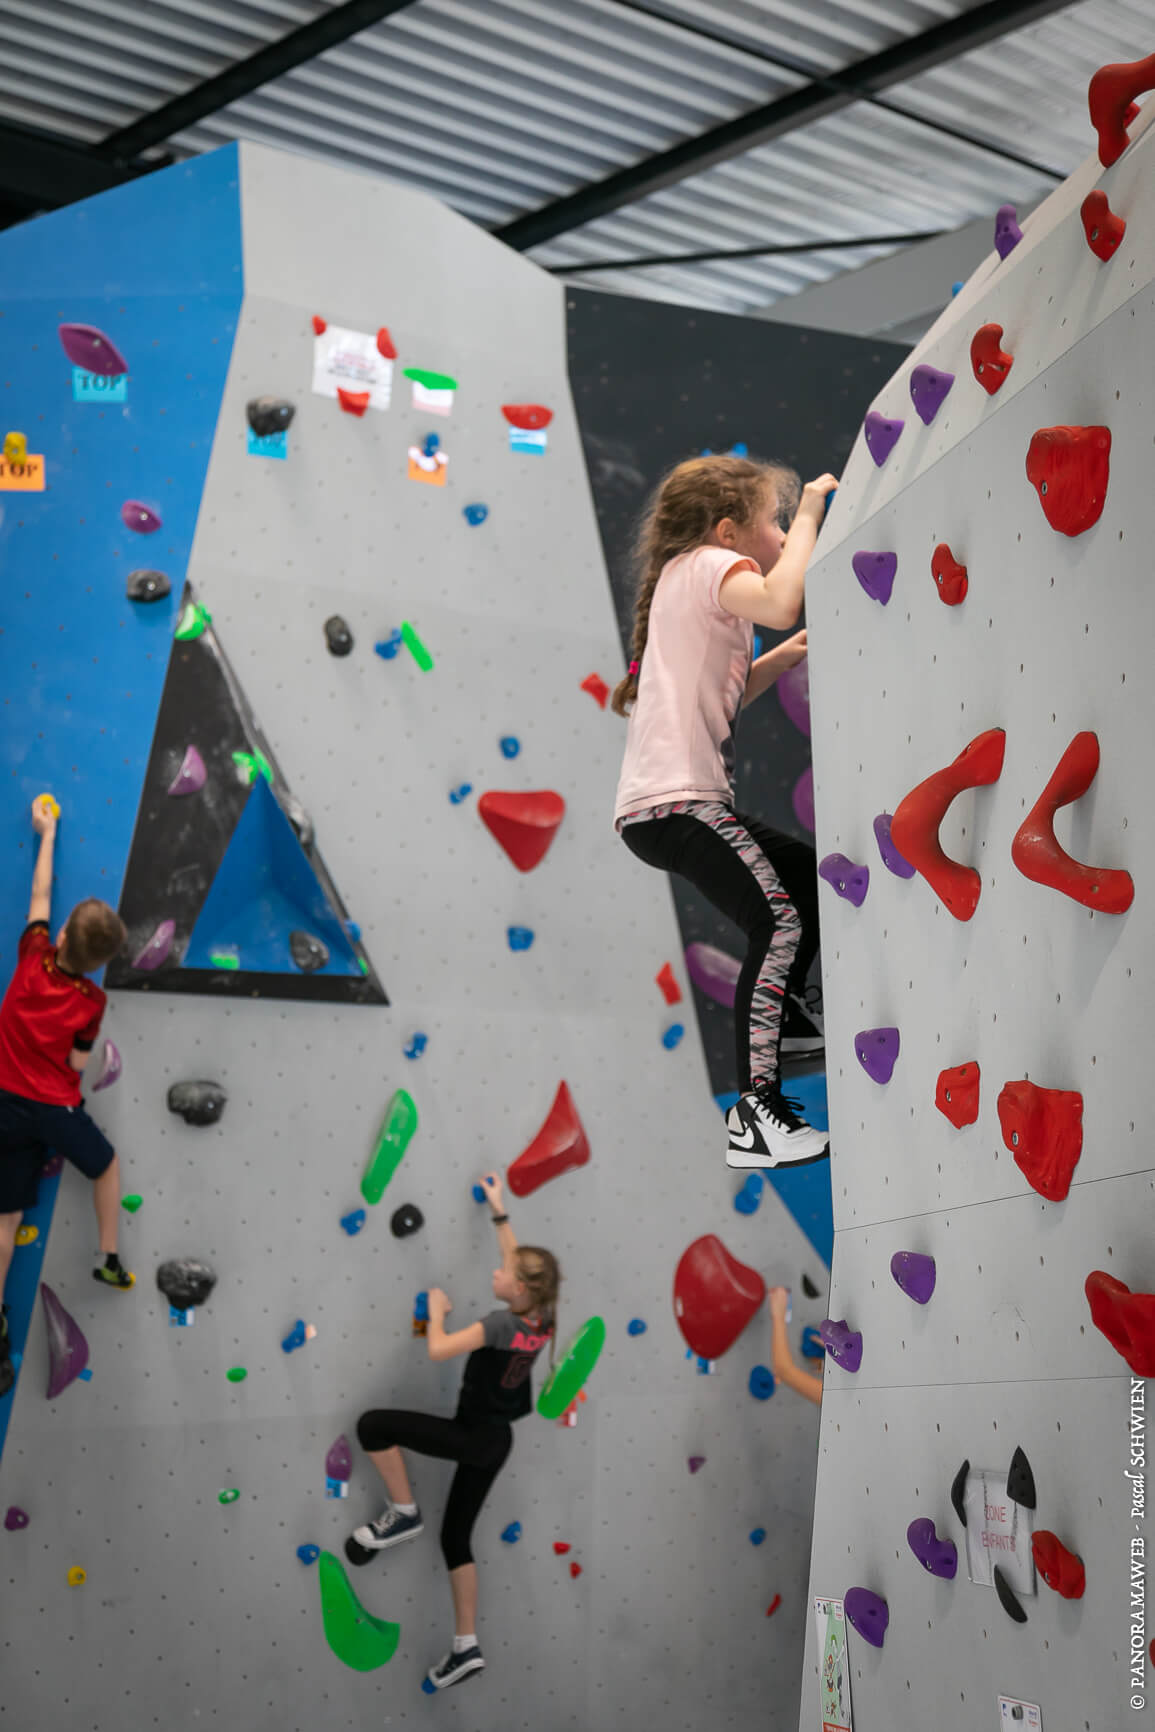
(498, 1219)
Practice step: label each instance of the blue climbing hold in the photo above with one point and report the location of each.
(460, 793)
(354, 1222)
(750, 1195)
(512, 1533)
(812, 1347)
(296, 1336)
(475, 514)
(478, 1194)
(520, 937)
(354, 931)
(955, 288)
(757, 1535)
(428, 1688)
(308, 1554)
(636, 1326)
(431, 444)
(706, 1367)
(421, 1308)
(416, 1046)
(510, 746)
(761, 1383)
(388, 648)
(672, 1036)
(740, 449)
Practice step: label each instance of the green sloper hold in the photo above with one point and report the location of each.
(355, 1636)
(132, 1203)
(431, 381)
(396, 1135)
(572, 1369)
(195, 619)
(415, 647)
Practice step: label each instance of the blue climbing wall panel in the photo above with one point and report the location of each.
(804, 1191)
(81, 667)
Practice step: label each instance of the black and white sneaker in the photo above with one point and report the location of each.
(390, 1528)
(802, 1031)
(766, 1129)
(454, 1668)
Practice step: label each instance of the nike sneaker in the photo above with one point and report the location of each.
(766, 1129)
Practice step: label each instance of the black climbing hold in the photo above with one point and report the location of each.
(197, 1103)
(1007, 1598)
(407, 1219)
(298, 818)
(958, 1492)
(269, 415)
(809, 1288)
(1021, 1481)
(146, 585)
(308, 952)
(185, 1282)
(338, 636)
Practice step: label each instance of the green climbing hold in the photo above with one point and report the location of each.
(415, 647)
(255, 764)
(230, 1496)
(132, 1204)
(355, 1636)
(431, 381)
(568, 1375)
(224, 959)
(236, 1374)
(396, 1135)
(195, 618)
(362, 965)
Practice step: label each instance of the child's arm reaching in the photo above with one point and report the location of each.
(442, 1346)
(769, 668)
(776, 599)
(506, 1238)
(44, 823)
(782, 1360)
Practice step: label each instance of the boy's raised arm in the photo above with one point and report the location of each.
(44, 823)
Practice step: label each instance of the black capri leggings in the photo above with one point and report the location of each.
(479, 1450)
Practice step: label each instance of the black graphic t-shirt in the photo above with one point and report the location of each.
(496, 1381)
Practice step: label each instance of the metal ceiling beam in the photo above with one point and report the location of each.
(39, 171)
(815, 101)
(719, 255)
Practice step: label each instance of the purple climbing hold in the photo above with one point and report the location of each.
(90, 348)
(939, 1557)
(876, 573)
(339, 1461)
(793, 690)
(67, 1348)
(192, 775)
(1008, 234)
(696, 1463)
(882, 435)
(158, 948)
(109, 1068)
(15, 1519)
(929, 389)
(876, 1050)
(915, 1274)
(802, 800)
(891, 858)
(843, 1344)
(141, 518)
(869, 1614)
(846, 879)
(713, 972)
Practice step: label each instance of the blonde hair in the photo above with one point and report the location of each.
(686, 505)
(538, 1271)
(93, 934)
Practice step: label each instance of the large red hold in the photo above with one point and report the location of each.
(1069, 468)
(915, 825)
(524, 824)
(715, 1297)
(1103, 229)
(530, 417)
(1036, 850)
(353, 402)
(1110, 98)
(1127, 1319)
(956, 1094)
(990, 362)
(1059, 1568)
(560, 1145)
(1043, 1128)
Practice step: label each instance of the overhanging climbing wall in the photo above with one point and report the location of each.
(195, 1612)
(1050, 642)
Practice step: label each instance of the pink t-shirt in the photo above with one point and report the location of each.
(680, 744)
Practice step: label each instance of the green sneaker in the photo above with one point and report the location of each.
(114, 1274)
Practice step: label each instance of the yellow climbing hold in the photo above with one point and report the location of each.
(15, 448)
(77, 1577)
(53, 803)
(27, 1235)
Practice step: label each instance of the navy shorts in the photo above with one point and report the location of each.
(31, 1132)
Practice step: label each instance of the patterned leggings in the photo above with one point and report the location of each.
(764, 881)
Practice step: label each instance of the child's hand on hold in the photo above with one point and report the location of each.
(778, 1297)
(44, 815)
(492, 1187)
(813, 501)
(792, 650)
(440, 1305)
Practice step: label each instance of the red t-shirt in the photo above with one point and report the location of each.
(45, 1013)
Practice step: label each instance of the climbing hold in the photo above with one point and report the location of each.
(431, 444)
(510, 746)
(757, 1536)
(225, 957)
(140, 518)
(267, 415)
(308, 1554)
(308, 953)
(761, 1383)
(406, 1220)
(131, 1203)
(673, 1036)
(529, 416)
(928, 391)
(385, 344)
(109, 1068)
(750, 1195)
(77, 1576)
(958, 1491)
(338, 637)
(524, 824)
(937, 1557)
(843, 1344)
(713, 972)
(1103, 229)
(891, 858)
(949, 574)
(185, 1282)
(362, 1641)
(520, 937)
(156, 952)
(475, 514)
(1043, 1128)
(197, 1103)
(67, 1348)
(1060, 1569)
(561, 1547)
(320, 325)
(353, 1222)
(565, 1381)
(339, 1460)
(53, 803)
(1021, 1481)
(1037, 852)
(352, 402)
(88, 347)
(667, 985)
(876, 1050)
(876, 573)
(1008, 234)
(460, 793)
(236, 1374)
(511, 1533)
(915, 1274)
(1008, 1600)
(575, 1569)
(478, 1194)
(297, 1337)
(1127, 1319)
(636, 1326)
(147, 585)
(774, 1605)
(812, 1347)
(1069, 467)
(915, 826)
(415, 647)
(229, 1496)
(881, 435)
(990, 362)
(559, 1146)
(597, 689)
(417, 1044)
(1110, 99)
(396, 1134)
(808, 1287)
(846, 878)
(389, 646)
(868, 1613)
(252, 764)
(793, 691)
(802, 799)
(194, 621)
(15, 1519)
(696, 1463)
(956, 1094)
(15, 449)
(27, 1235)
(715, 1296)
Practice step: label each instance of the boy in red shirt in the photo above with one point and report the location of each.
(49, 1021)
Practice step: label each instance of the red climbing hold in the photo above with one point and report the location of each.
(1036, 850)
(353, 402)
(774, 1605)
(575, 1569)
(1103, 229)
(524, 824)
(949, 574)
(560, 1144)
(320, 325)
(1059, 1568)
(715, 1297)
(561, 1547)
(1127, 1319)
(597, 689)
(956, 1094)
(531, 417)
(1111, 98)
(1043, 1128)
(670, 990)
(1069, 469)
(990, 362)
(915, 825)
(385, 344)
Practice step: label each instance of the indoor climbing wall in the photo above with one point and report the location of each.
(986, 1013)
(382, 634)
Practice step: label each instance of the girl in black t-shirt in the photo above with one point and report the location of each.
(494, 1392)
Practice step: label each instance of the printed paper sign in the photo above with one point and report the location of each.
(99, 387)
(834, 1675)
(25, 477)
(433, 392)
(269, 444)
(529, 440)
(1016, 1716)
(351, 359)
(998, 1532)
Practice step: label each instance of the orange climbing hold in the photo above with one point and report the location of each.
(949, 574)
(353, 402)
(990, 362)
(385, 344)
(1039, 856)
(1103, 229)
(956, 1094)
(915, 825)
(1043, 1128)
(1111, 100)
(670, 990)
(597, 689)
(715, 1297)
(1059, 1568)
(560, 1145)
(1127, 1319)
(1069, 468)
(524, 824)
(531, 417)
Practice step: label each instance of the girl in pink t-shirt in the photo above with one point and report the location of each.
(715, 559)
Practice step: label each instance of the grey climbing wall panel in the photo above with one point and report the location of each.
(1051, 639)
(196, 1615)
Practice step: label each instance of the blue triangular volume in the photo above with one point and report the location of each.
(264, 889)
